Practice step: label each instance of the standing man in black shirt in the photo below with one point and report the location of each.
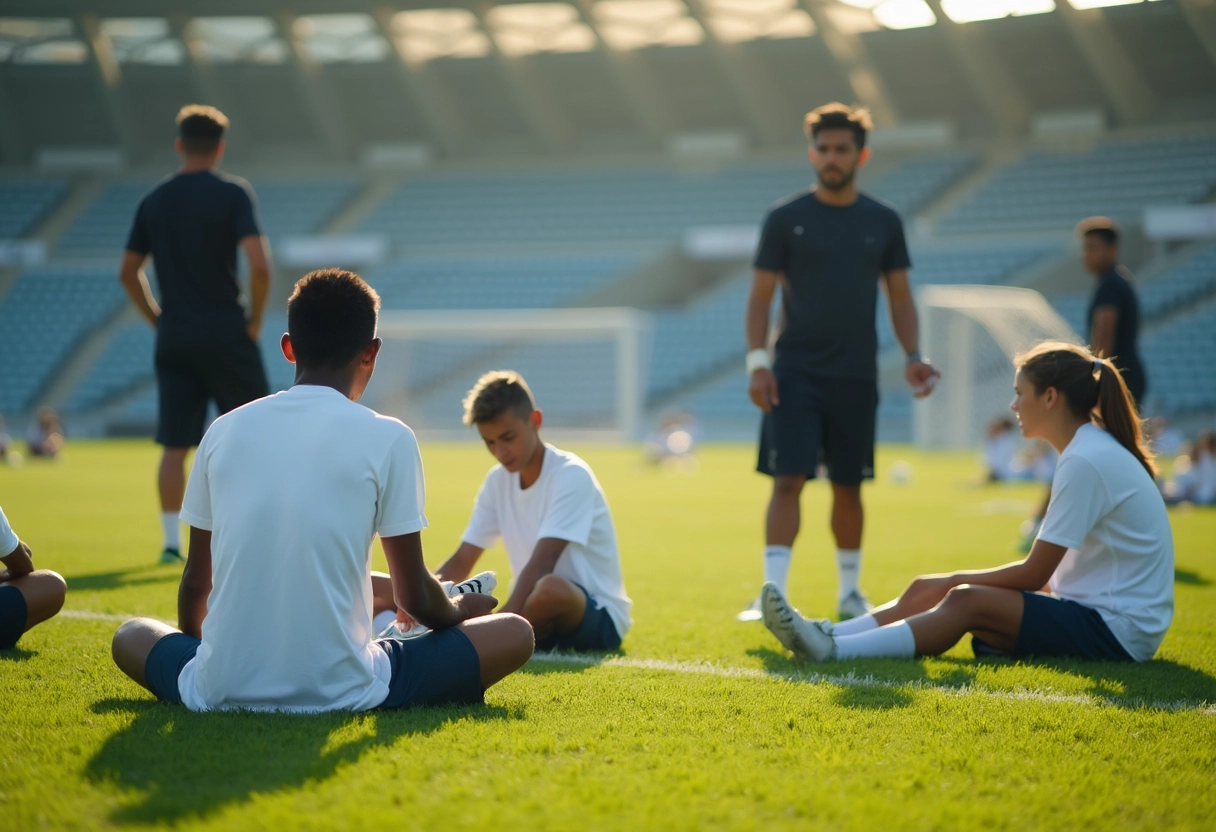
(828, 248)
(1114, 311)
(191, 224)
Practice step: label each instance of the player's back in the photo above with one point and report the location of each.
(192, 224)
(294, 487)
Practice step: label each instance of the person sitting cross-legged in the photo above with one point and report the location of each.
(28, 596)
(285, 497)
(551, 514)
(1099, 581)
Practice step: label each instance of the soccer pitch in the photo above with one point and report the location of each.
(700, 722)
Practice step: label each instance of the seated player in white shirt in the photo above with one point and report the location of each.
(551, 514)
(27, 596)
(1098, 582)
(285, 497)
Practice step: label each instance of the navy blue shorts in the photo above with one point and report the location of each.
(1054, 627)
(820, 420)
(595, 632)
(438, 668)
(12, 616)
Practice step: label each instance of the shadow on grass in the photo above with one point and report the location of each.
(190, 765)
(138, 576)
(1190, 578)
(17, 654)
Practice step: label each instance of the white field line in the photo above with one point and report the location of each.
(848, 680)
(852, 680)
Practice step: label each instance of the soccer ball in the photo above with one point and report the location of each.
(901, 472)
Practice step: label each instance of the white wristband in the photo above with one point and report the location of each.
(758, 359)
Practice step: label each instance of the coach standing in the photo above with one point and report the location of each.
(828, 248)
(192, 224)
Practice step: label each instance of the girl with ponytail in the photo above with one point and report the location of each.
(1099, 580)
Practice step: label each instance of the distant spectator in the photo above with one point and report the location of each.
(1165, 440)
(1000, 449)
(1195, 472)
(5, 441)
(45, 436)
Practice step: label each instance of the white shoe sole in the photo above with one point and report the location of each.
(803, 638)
(753, 613)
(483, 583)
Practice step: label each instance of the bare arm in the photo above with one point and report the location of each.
(902, 307)
(415, 589)
(1102, 331)
(762, 385)
(257, 251)
(131, 273)
(1030, 574)
(19, 562)
(195, 587)
(544, 560)
(460, 565)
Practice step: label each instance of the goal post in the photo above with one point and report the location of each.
(971, 334)
(586, 366)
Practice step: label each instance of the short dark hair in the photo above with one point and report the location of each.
(837, 116)
(496, 393)
(1104, 228)
(201, 129)
(331, 316)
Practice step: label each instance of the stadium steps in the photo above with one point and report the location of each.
(964, 187)
(63, 380)
(670, 279)
(373, 192)
(78, 199)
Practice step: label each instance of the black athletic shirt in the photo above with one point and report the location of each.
(1114, 289)
(832, 258)
(192, 225)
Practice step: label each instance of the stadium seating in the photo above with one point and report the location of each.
(25, 202)
(294, 207)
(653, 203)
(44, 315)
(1052, 191)
(1187, 282)
(1178, 362)
(124, 363)
(515, 282)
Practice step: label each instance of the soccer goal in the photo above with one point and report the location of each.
(972, 333)
(586, 367)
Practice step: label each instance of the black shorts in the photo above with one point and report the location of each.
(438, 668)
(595, 632)
(13, 612)
(820, 420)
(1055, 627)
(228, 371)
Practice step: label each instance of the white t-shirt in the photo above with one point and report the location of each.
(293, 488)
(8, 537)
(1106, 510)
(565, 502)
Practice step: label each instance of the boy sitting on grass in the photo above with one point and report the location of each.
(27, 596)
(553, 519)
(286, 494)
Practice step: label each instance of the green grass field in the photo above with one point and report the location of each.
(700, 722)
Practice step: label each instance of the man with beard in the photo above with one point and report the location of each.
(828, 248)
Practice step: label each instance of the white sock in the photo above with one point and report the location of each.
(173, 529)
(777, 565)
(855, 626)
(848, 565)
(894, 641)
(382, 620)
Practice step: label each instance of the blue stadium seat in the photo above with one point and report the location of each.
(124, 364)
(25, 202)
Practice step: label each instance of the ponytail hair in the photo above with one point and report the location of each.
(1093, 388)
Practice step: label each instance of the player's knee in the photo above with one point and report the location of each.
(56, 589)
(788, 487)
(962, 598)
(551, 591)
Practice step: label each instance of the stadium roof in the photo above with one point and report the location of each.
(333, 78)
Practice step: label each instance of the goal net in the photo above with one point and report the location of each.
(971, 334)
(586, 367)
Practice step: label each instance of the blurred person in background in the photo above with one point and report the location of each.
(191, 225)
(45, 436)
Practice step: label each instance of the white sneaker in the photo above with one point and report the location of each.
(854, 605)
(484, 582)
(807, 640)
(751, 612)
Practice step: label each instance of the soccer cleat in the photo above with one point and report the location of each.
(807, 640)
(171, 555)
(751, 612)
(483, 582)
(853, 605)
